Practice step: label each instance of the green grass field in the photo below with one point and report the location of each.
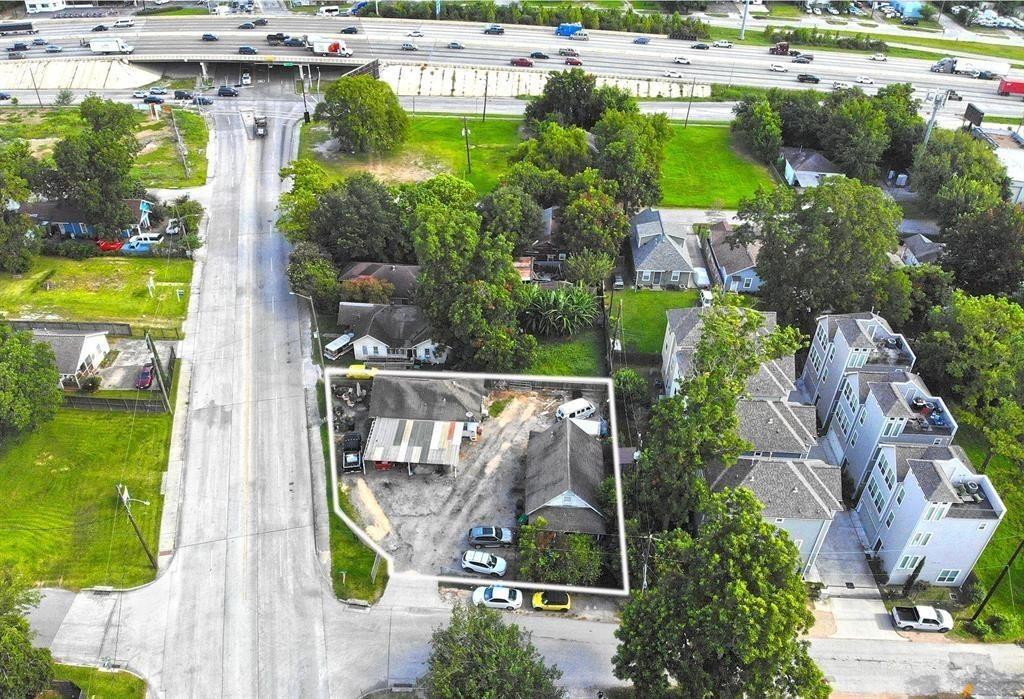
(579, 355)
(100, 288)
(1008, 479)
(703, 168)
(643, 316)
(60, 515)
(161, 166)
(435, 145)
(102, 685)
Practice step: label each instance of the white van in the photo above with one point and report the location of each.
(329, 11)
(581, 35)
(579, 408)
(123, 23)
(147, 238)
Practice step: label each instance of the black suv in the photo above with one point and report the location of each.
(350, 30)
(227, 91)
(808, 78)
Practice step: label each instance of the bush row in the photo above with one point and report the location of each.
(815, 37)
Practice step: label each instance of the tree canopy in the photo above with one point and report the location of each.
(364, 115)
(30, 390)
(25, 671)
(952, 154)
(985, 249)
(760, 125)
(572, 98)
(856, 136)
(311, 273)
(18, 242)
(510, 212)
(556, 147)
(630, 150)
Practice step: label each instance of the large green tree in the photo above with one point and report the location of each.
(25, 671)
(556, 147)
(952, 154)
(479, 655)
(18, 241)
(630, 150)
(985, 250)
(364, 115)
(360, 218)
(511, 212)
(594, 221)
(903, 122)
(962, 195)
(296, 206)
(572, 98)
(930, 286)
(725, 614)
(30, 390)
(546, 187)
(311, 273)
(856, 137)
(760, 126)
(824, 249)
(591, 267)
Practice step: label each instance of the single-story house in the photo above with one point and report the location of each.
(732, 266)
(402, 277)
(549, 250)
(564, 471)
(78, 354)
(800, 497)
(428, 398)
(803, 167)
(919, 249)
(659, 259)
(524, 267)
(60, 217)
(386, 333)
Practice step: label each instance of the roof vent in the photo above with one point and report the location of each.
(972, 487)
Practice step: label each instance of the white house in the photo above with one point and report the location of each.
(389, 333)
(926, 503)
(34, 6)
(660, 258)
(849, 342)
(78, 354)
(803, 167)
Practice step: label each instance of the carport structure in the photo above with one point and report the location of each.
(398, 441)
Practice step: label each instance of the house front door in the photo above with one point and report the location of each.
(656, 279)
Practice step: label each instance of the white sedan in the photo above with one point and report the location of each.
(865, 80)
(483, 563)
(415, 33)
(878, 57)
(673, 74)
(682, 60)
(497, 597)
(778, 68)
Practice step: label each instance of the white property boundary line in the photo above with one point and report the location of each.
(623, 591)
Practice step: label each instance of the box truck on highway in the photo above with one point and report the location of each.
(568, 28)
(968, 66)
(328, 46)
(108, 46)
(1010, 87)
(17, 28)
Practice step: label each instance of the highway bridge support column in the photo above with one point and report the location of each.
(202, 69)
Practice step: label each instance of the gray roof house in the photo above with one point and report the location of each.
(800, 497)
(564, 470)
(384, 333)
(732, 266)
(803, 167)
(777, 428)
(402, 277)
(78, 354)
(659, 258)
(428, 398)
(919, 249)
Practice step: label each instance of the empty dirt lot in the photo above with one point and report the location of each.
(423, 520)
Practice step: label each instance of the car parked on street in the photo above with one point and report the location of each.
(484, 563)
(490, 537)
(145, 378)
(549, 601)
(497, 597)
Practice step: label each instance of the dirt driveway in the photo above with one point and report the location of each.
(423, 520)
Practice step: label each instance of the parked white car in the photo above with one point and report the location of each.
(778, 68)
(484, 563)
(865, 80)
(246, 79)
(682, 60)
(497, 597)
(921, 618)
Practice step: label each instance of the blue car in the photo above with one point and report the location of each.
(642, 40)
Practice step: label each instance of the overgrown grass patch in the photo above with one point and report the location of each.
(704, 167)
(97, 684)
(161, 165)
(579, 355)
(643, 316)
(60, 514)
(99, 289)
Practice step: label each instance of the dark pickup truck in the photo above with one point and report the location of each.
(351, 458)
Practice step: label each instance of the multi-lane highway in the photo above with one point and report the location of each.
(610, 53)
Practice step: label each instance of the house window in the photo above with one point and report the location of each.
(561, 256)
(831, 353)
(646, 276)
(934, 512)
(748, 282)
(860, 418)
(947, 575)
(858, 358)
(886, 471)
(848, 396)
(890, 428)
(779, 520)
(899, 496)
(937, 442)
(876, 495)
(675, 276)
(376, 350)
(888, 520)
(816, 361)
(853, 439)
(921, 539)
(365, 350)
(819, 335)
(909, 562)
(843, 421)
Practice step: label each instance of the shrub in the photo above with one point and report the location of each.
(1001, 624)
(630, 386)
(91, 384)
(979, 628)
(77, 250)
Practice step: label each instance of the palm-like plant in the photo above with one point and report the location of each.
(565, 311)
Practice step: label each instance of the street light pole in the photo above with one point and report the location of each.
(316, 324)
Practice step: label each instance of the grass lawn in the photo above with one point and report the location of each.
(576, 356)
(102, 685)
(435, 145)
(60, 514)
(158, 163)
(1008, 479)
(100, 288)
(786, 10)
(643, 316)
(703, 168)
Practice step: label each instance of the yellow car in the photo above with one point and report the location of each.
(552, 601)
(359, 371)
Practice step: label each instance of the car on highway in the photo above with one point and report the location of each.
(227, 91)
(722, 44)
(261, 21)
(522, 62)
(682, 60)
(643, 40)
(210, 37)
(568, 52)
(350, 30)
(19, 46)
(15, 55)
(539, 55)
(415, 34)
(494, 29)
(484, 563)
(573, 61)
(878, 57)
(109, 245)
(865, 80)
(247, 25)
(4, 96)
(489, 537)
(497, 597)
(158, 90)
(803, 59)
(246, 79)
(673, 74)
(841, 85)
(409, 46)
(39, 41)
(808, 78)
(986, 75)
(139, 94)
(152, 99)
(954, 95)
(294, 42)
(549, 601)
(202, 101)
(702, 47)
(247, 50)
(455, 45)
(778, 68)
(53, 48)
(100, 28)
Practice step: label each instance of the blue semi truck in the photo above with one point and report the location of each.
(568, 28)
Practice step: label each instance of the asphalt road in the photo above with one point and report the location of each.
(609, 53)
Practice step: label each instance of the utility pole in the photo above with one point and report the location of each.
(743, 24)
(32, 74)
(465, 132)
(487, 78)
(937, 103)
(693, 86)
(995, 585)
(126, 499)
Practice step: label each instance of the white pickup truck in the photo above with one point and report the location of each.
(921, 618)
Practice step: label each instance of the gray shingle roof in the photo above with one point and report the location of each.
(564, 459)
(732, 258)
(396, 326)
(890, 400)
(777, 425)
(427, 399)
(807, 160)
(923, 248)
(905, 453)
(402, 277)
(933, 481)
(660, 254)
(798, 489)
(67, 347)
(850, 326)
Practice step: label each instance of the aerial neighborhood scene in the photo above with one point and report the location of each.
(511, 349)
